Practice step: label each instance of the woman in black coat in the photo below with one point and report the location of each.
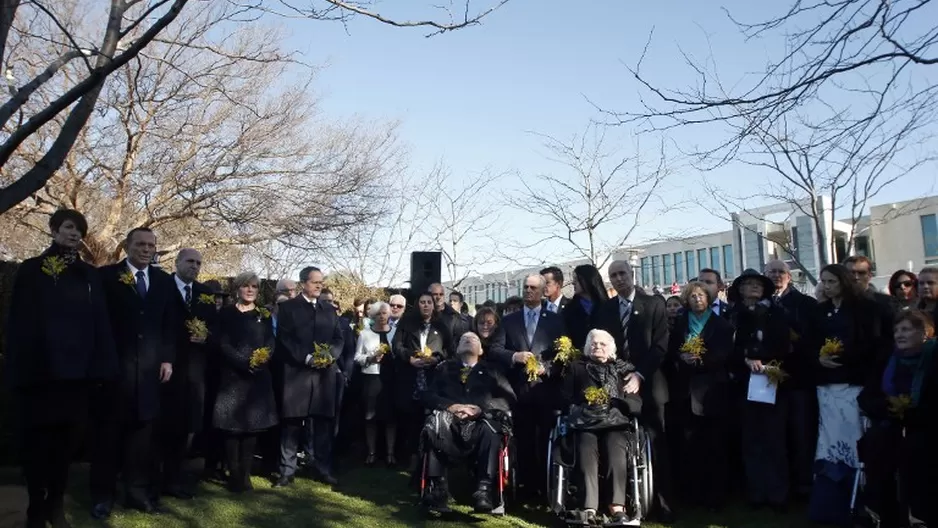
(578, 314)
(58, 343)
(900, 401)
(245, 404)
(699, 396)
(762, 343)
(419, 330)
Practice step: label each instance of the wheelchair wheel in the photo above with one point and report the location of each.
(646, 474)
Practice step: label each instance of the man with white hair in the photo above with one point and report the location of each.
(398, 303)
(470, 400)
(639, 324)
(286, 287)
(525, 335)
(802, 396)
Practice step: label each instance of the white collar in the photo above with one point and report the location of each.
(556, 302)
(310, 301)
(630, 298)
(182, 284)
(133, 271)
(536, 310)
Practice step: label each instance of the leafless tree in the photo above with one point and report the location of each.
(48, 57)
(189, 143)
(597, 200)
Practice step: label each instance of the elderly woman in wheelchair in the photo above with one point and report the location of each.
(469, 401)
(898, 448)
(601, 421)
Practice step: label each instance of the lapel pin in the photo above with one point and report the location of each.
(635, 312)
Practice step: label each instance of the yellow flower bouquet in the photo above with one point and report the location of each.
(322, 355)
(259, 357)
(424, 353)
(566, 352)
(831, 348)
(898, 405)
(532, 367)
(773, 371)
(263, 313)
(197, 328)
(464, 374)
(359, 326)
(695, 347)
(53, 266)
(383, 350)
(206, 298)
(596, 396)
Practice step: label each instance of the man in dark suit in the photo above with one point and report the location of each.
(307, 391)
(183, 400)
(530, 332)
(141, 303)
(861, 268)
(554, 299)
(802, 397)
(639, 323)
(453, 320)
(712, 279)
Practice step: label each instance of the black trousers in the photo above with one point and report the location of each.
(653, 416)
(239, 455)
(531, 425)
(899, 471)
(486, 457)
(765, 451)
(47, 453)
(703, 457)
(314, 434)
(170, 450)
(611, 447)
(802, 437)
(121, 447)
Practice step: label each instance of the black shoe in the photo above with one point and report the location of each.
(284, 482)
(327, 478)
(146, 506)
(483, 496)
(102, 510)
(178, 492)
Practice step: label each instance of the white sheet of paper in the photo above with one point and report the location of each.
(760, 390)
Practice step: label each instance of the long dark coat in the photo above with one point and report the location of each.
(58, 334)
(406, 344)
(184, 395)
(705, 384)
(302, 390)
(145, 335)
(245, 400)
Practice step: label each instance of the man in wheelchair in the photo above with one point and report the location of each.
(470, 402)
(601, 414)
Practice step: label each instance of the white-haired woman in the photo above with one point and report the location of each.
(599, 416)
(373, 354)
(245, 404)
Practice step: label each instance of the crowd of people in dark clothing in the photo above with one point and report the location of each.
(771, 392)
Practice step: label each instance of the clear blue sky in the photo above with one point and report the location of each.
(470, 97)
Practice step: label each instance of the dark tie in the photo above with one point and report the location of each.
(188, 290)
(626, 313)
(141, 284)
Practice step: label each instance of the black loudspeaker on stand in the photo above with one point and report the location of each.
(425, 269)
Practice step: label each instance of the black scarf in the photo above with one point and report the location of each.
(69, 256)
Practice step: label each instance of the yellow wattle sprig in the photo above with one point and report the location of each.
(532, 367)
(898, 405)
(424, 353)
(596, 396)
(322, 355)
(566, 352)
(831, 348)
(197, 328)
(773, 370)
(54, 266)
(259, 357)
(695, 347)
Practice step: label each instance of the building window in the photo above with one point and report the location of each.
(646, 271)
(715, 258)
(702, 259)
(668, 278)
(655, 270)
(728, 270)
(679, 268)
(691, 265)
(794, 242)
(930, 235)
(861, 246)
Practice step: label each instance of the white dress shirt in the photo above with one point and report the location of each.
(146, 274)
(181, 286)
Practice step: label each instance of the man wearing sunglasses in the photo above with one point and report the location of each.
(398, 304)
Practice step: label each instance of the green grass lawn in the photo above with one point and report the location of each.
(366, 497)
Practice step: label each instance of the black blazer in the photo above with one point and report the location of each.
(485, 387)
(406, 344)
(512, 336)
(647, 337)
(577, 322)
(703, 383)
(561, 305)
(799, 310)
(58, 329)
(776, 337)
(184, 395)
(302, 390)
(145, 333)
(864, 346)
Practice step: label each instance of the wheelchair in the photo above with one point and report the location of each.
(505, 481)
(560, 466)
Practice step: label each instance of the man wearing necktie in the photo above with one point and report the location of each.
(183, 405)
(307, 392)
(530, 332)
(639, 324)
(712, 279)
(554, 299)
(141, 302)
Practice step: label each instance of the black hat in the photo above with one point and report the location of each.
(215, 287)
(768, 287)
